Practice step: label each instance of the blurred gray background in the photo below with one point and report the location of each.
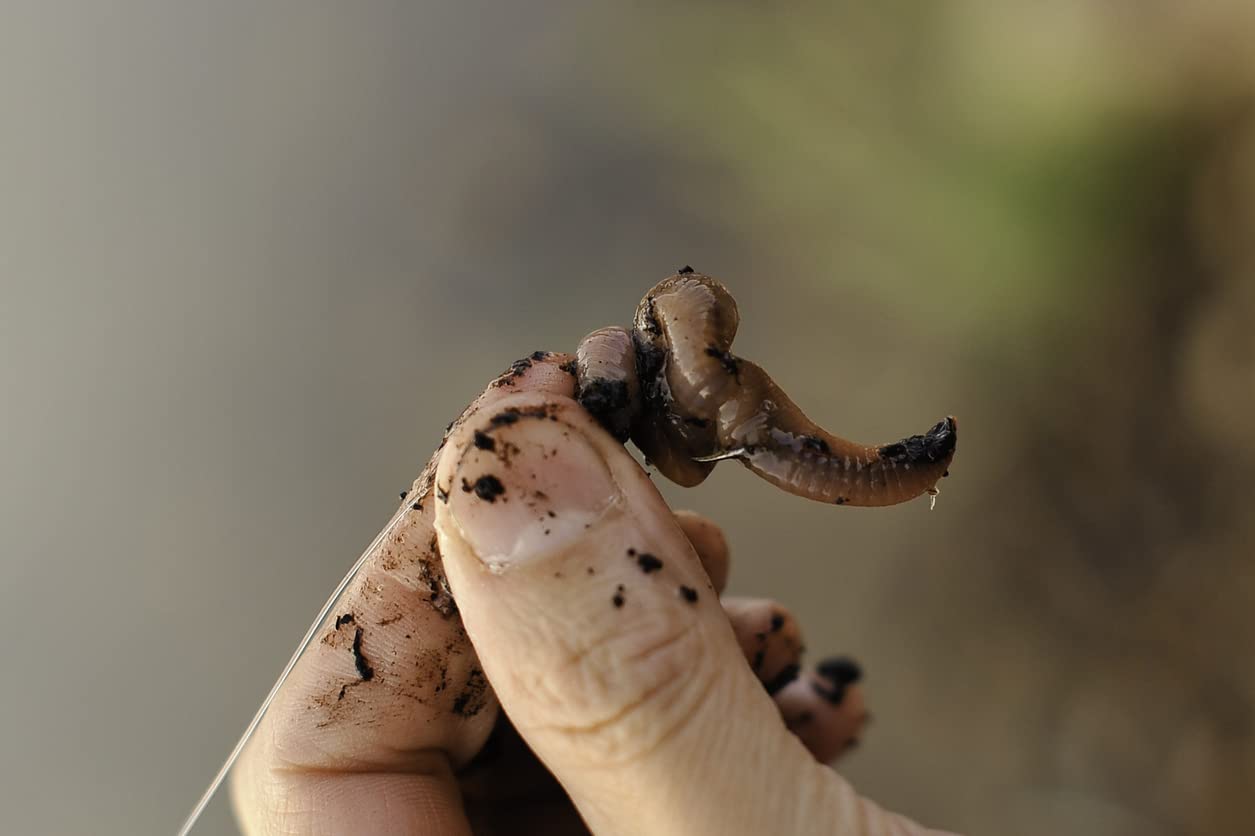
(255, 256)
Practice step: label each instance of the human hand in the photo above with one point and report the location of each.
(585, 610)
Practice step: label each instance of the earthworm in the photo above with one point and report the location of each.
(672, 384)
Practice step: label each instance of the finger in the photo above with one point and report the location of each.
(825, 708)
(389, 699)
(381, 672)
(381, 706)
(606, 645)
(710, 544)
(770, 639)
(827, 716)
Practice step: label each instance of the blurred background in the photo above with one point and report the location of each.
(255, 256)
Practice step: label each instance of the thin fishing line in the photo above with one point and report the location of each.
(287, 669)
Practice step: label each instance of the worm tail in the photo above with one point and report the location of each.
(783, 446)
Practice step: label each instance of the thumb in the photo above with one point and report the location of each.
(606, 643)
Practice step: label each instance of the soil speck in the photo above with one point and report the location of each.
(474, 695)
(648, 562)
(487, 487)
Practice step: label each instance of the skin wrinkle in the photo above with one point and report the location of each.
(576, 654)
(577, 658)
(420, 761)
(676, 709)
(551, 684)
(654, 649)
(329, 803)
(667, 650)
(695, 747)
(284, 800)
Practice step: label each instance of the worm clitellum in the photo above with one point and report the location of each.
(673, 385)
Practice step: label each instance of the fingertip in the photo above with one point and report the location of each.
(770, 638)
(708, 540)
(542, 371)
(827, 728)
(530, 483)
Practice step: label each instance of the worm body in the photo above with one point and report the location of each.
(607, 383)
(673, 385)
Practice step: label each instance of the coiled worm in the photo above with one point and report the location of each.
(673, 385)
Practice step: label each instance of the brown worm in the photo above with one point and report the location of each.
(673, 385)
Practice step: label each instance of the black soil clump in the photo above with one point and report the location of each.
(648, 562)
(487, 487)
(840, 672)
(932, 446)
(518, 368)
(474, 695)
(515, 414)
(364, 670)
(608, 402)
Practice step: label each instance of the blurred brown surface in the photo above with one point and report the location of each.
(254, 258)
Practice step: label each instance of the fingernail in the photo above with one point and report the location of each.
(529, 485)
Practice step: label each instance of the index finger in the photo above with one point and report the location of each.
(389, 699)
